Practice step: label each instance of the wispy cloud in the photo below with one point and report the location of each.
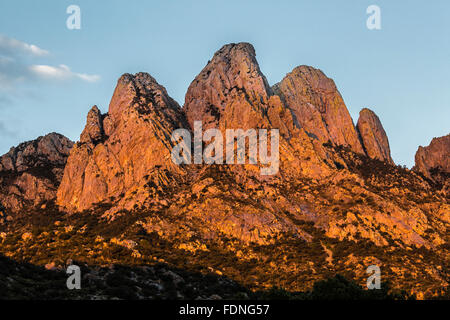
(10, 46)
(61, 72)
(17, 64)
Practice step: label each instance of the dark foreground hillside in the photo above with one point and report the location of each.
(29, 282)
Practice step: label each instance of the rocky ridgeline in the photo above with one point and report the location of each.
(118, 150)
(123, 156)
(31, 173)
(436, 157)
(433, 161)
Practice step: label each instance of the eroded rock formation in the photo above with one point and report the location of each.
(433, 161)
(232, 93)
(118, 151)
(434, 156)
(318, 107)
(93, 132)
(373, 136)
(31, 172)
(230, 90)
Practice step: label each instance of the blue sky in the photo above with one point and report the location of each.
(402, 71)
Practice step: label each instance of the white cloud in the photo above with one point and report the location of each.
(14, 68)
(11, 46)
(61, 72)
(88, 77)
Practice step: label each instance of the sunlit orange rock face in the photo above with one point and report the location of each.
(435, 156)
(121, 151)
(118, 150)
(123, 157)
(30, 173)
(373, 136)
(230, 91)
(433, 161)
(318, 107)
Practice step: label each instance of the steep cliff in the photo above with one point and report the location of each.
(120, 152)
(318, 107)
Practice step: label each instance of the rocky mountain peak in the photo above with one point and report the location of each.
(31, 172)
(118, 150)
(52, 148)
(141, 93)
(433, 161)
(373, 136)
(318, 107)
(231, 88)
(345, 210)
(93, 132)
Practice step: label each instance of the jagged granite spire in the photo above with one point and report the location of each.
(318, 107)
(118, 150)
(373, 136)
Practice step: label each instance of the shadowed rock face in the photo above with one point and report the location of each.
(50, 149)
(433, 161)
(318, 107)
(118, 151)
(31, 172)
(373, 136)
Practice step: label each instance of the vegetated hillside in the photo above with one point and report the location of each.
(345, 239)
